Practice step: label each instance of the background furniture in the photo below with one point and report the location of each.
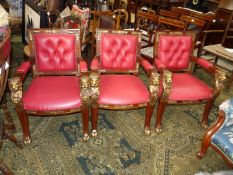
(57, 87)
(164, 23)
(146, 23)
(220, 135)
(7, 126)
(172, 58)
(220, 50)
(114, 84)
(107, 20)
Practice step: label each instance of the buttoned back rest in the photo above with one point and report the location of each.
(174, 49)
(118, 50)
(55, 51)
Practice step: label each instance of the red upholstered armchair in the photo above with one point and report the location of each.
(57, 87)
(118, 52)
(173, 56)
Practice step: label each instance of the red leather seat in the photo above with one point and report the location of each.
(59, 84)
(182, 85)
(172, 58)
(112, 84)
(53, 93)
(120, 90)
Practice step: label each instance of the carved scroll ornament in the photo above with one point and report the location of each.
(94, 93)
(154, 87)
(85, 84)
(167, 84)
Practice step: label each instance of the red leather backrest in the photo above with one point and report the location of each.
(55, 52)
(174, 51)
(118, 51)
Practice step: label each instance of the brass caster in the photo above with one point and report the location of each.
(27, 140)
(200, 155)
(158, 130)
(94, 133)
(86, 137)
(147, 131)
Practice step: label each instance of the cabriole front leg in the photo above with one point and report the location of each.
(149, 112)
(159, 116)
(23, 118)
(85, 120)
(95, 80)
(94, 120)
(85, 85)
(206, 113)
(154, 90)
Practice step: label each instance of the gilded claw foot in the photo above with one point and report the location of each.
(158, 130)
(147, 131)
(200, 155)
(94, 133)
(27, 140)
(86, 137)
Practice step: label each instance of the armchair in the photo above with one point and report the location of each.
(57, 87)
(219, 136)
(118, 52)
(172, 58)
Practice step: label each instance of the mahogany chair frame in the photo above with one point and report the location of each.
(206, 141)
(166, 77)
(95, 80)
(15, 84)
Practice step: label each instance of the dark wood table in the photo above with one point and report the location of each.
(7, 126)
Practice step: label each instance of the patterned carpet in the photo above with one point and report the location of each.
(121, 147)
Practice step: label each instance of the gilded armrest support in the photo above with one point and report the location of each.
(220, 79)
(94, 90)
(16, 91)
(166, 84)
(85, 85)
(154, 87)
